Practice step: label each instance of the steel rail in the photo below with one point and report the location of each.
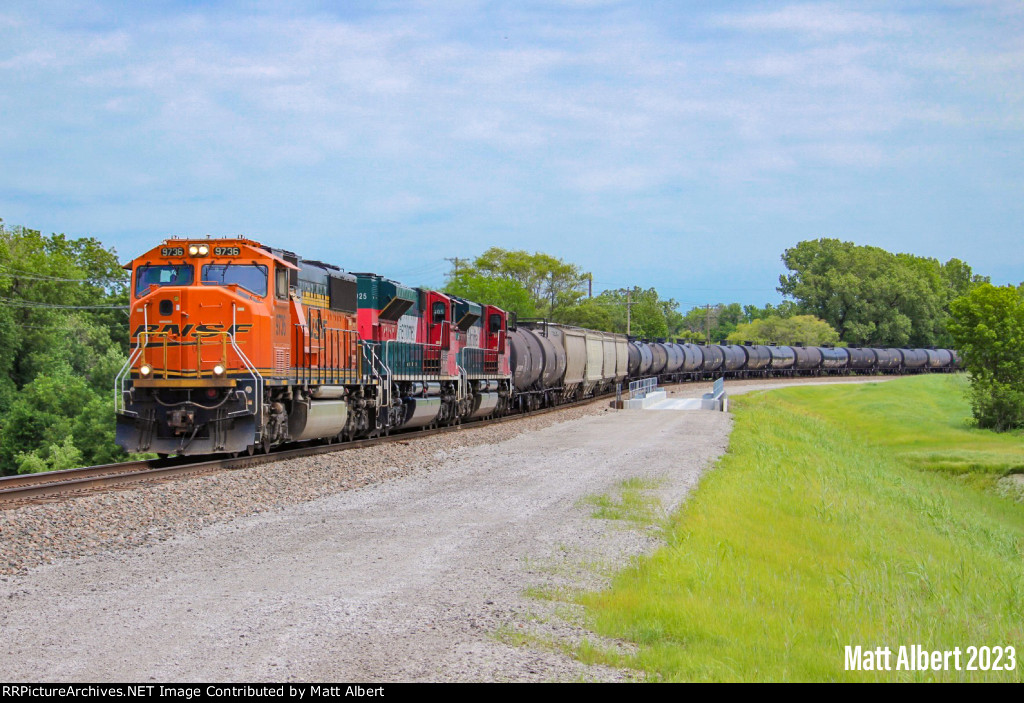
(19, 490)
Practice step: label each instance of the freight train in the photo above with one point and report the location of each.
(239, 347)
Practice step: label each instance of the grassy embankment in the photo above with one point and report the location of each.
(841, 515)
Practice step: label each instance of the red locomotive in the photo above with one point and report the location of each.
(239, 347)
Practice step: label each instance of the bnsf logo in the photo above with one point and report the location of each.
(191, 330)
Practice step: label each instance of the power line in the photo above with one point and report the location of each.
(43, 277)
(455, 262)
(14, 303)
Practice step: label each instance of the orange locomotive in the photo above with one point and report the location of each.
(238, 347)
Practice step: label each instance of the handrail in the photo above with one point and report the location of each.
(462, 391)
(145, 339)
(384, 390)
(332, 354)
(256, 376)
(640, 389)
(125, 372)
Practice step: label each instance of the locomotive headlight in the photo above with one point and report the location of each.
(145, 369)
(193, 250)
(218, 370)
(203, 250)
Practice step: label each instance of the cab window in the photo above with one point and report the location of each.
(251, 277)
(495, 323)
(163, 275)
(439, 312)
(281, 283)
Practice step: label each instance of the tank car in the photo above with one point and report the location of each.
(834, 360)
(759, 359)
(808, 360)
(735, 358)
(888, 360)
(939, 359)
(714, 360)
(693, 360)
(783, 360)
(862, 359)
(914, 360)
(541, 365)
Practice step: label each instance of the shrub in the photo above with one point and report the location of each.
(988, 328)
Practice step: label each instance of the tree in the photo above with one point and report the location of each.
(798, 329)
(43, 280)
(63, 337)
(713, 323)
(637, 311)
(873, 297)
(507, 294)
(959, 279)
(550, 283)
(787, 308)
(591, 313)
(42, 415)
(988, 329)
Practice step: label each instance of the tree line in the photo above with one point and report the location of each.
(63, 338)
(64, 332)
(837, 293)
(874, 298)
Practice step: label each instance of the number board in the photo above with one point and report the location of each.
(172, 251)
(227, 251)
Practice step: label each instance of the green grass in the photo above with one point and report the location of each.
(927, 423)
(633, 503)
(839, 516)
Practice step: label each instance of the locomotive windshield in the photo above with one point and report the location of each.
(252, 277)
(167, 275)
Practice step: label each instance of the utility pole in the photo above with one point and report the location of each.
(455, 262)
(629, 310)
(551, 310)
(707, 324)
(590, 283)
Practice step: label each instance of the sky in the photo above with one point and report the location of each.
(679, 145)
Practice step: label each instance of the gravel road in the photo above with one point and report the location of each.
(409, 562)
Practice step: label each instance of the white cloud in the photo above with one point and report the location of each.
(817, 20)
(580, 120)
(34, 59)
(617, 180)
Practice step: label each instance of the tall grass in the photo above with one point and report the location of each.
(819, 529)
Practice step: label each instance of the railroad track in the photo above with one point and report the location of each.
(16, 491)
(20, 490)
